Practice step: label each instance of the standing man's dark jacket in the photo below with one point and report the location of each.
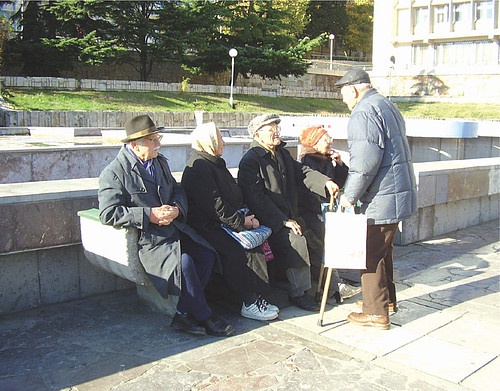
(381, 172)
(270, 187)
(127, 192)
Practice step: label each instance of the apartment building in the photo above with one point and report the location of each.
(444, 48)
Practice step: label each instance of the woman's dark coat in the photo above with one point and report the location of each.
(213, 195)
(214, 198)
(127, 192)
(310, 202)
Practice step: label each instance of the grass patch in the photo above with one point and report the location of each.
(450, 110)
(156, 101)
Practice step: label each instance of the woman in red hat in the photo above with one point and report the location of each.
(317, 153)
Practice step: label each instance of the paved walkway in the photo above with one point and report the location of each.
(445, 336)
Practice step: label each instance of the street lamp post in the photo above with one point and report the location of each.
(392, 60)
(232, 53)
(332, 37)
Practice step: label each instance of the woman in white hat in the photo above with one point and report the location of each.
(215, 198)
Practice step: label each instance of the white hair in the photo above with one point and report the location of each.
(363, 86)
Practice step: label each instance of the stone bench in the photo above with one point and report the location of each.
(43, 261)
(116, 250)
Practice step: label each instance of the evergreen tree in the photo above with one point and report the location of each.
(28, 49)
(5, 29)
(327, 17)
(267, 35)
(359, 37)
(273, 38)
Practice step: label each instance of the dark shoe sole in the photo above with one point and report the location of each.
(312, 308)
(198, 332)
(351, 295)
(187, 324)
(226, 333)
(319, 297)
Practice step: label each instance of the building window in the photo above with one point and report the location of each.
(484, 9)
(466, 53)
(420, 20)
(461, 12)
(483, 13)
(403, 28)
(461, 17)
(418, 53)
(441, 18)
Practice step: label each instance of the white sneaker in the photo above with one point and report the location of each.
(258, 311)
(268, 305)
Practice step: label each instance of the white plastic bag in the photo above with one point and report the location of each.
(345, 240)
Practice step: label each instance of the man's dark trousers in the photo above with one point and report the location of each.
(377, 280)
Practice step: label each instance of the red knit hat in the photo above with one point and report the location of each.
(311, 135)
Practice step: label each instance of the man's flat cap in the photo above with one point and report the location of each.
(260, 121)
(354, 76)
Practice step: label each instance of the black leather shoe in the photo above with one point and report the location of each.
(304, 302)
(184, 322)
(218, 327)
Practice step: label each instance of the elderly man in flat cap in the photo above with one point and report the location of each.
(138, 190)
(269, 178)
(380, 177)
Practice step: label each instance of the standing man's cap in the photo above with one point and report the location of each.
(138, 127)
(354, 76)
(260, 121)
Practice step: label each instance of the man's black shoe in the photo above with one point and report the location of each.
(184, 322)
(218, 327)
(304, 302)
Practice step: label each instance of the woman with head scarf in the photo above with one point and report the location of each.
(317, 153)
(214, 198)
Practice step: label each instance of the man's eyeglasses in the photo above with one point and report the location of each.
(272, 127)
(155, 138)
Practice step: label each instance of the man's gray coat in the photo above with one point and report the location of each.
(380, 169)
(127, 192)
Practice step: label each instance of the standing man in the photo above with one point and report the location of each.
(138, 190)
(269, 179)
(380, 177)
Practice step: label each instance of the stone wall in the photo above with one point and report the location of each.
(317, 83)
(41, 258)
(433, 87)
(309, 86)
(318, 78)
(50, 163)
(65, 153)
(115, 119)
(66, 161)
(453, 195)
